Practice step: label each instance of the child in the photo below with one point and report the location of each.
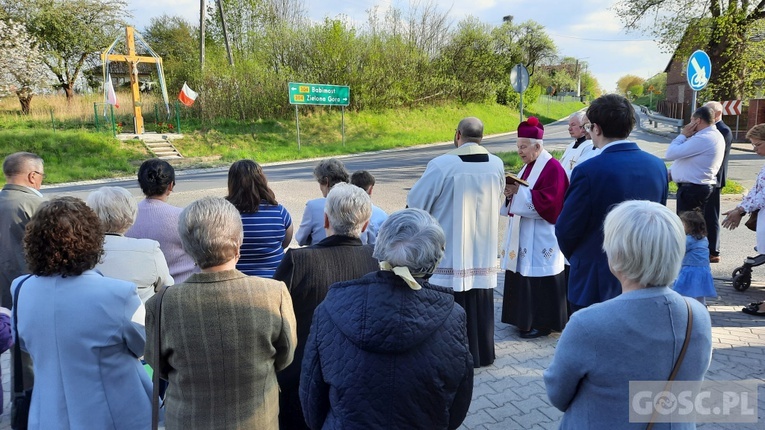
(695, 278)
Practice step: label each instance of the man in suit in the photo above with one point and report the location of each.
(308, 273)
(19, 200)
(621, 172)
(712, 210)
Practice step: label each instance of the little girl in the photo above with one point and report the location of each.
(695, 278)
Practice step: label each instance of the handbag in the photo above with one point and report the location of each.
(751, 223)
(20, 399)
(155, 372)
(679, 361)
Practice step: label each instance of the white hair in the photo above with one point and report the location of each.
(644, 242)
(115, 207)
(578, 115)
(411, 238)
(211, 231)
(347, 207)
(533, 141)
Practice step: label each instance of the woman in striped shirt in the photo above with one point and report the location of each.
(267, 224)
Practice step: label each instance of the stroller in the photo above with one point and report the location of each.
(742, 276)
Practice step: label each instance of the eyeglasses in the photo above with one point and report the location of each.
(588, 127)
(39, 173)
(757, 144)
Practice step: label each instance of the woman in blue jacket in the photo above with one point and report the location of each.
(389, 350)
(84, 331)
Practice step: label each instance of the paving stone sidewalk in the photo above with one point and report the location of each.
(511, 395)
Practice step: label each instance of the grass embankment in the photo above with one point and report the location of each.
(80, 154)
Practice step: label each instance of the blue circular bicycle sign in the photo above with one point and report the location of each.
(699, 70)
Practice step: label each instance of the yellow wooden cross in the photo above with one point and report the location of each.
(132, 59)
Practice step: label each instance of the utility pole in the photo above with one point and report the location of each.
(225, 32)
(202, 35)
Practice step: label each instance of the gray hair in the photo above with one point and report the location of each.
(533, 141)
(21, 162)
(211, 231)
(347, 207)
(330, 172)
(717, 108)
(411, 238)
(115, 207)
(579, 116)
(644, 242)
(471, 129)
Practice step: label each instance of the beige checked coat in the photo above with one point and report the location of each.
(224, 335)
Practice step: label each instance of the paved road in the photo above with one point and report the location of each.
(510, 394)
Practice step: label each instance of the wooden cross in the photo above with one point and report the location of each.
(132, 59)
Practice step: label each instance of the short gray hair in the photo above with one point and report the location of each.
(348, 207)
(330, 172)
(645, 242)
(411, 238)
(579, 116)
(115, 207)
(211, 231)
(21, 162)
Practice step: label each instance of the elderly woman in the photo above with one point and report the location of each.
(406, 340)
(158, 220)
(753, 201)
(636, 336)
(84, 331)
(139, 261)
(308, 273)
(267, 224)
(535, 285)
(327, 173)
(223, 334)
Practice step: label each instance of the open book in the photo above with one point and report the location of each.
(511, 178)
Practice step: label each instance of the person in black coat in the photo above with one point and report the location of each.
(712, 208)
(308, 273)
(389, 350)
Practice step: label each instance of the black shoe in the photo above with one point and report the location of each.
(535, 333)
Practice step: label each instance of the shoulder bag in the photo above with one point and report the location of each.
(20, 399)
(679, 361)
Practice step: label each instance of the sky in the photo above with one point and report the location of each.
(585, 29)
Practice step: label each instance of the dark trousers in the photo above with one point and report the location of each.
(692, 196)
(712, 218)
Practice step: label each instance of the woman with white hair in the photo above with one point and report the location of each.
(636, 336)
(223, 334)
(405, 337)
(139, 261)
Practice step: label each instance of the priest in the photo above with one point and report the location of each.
(462, 189)
(535, 285)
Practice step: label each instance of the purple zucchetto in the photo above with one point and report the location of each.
(531, 128)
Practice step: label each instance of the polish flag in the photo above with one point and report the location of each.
(187, 95)
(111, 97)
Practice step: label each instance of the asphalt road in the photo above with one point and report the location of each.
(397, 170)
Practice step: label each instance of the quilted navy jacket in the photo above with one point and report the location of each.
(383, 356)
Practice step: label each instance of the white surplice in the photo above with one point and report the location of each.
(465, 198)
(530, 247)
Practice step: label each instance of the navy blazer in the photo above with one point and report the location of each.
(621, 172)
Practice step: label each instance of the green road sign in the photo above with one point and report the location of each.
(319, 94)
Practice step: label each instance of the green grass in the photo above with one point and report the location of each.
(513, 162)
(74, 155)
(731, 187)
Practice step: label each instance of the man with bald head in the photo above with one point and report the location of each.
(19, 200)
(712, 210)
(463, 190)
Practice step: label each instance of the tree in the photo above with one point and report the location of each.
(730, 31)
(175, 40)
(68, 32)
(627, 81)
(21, 64)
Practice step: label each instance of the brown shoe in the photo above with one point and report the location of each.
(714, 258)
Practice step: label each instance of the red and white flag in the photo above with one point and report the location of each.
(111, 97)
(187, 95)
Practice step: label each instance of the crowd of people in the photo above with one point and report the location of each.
(375, 320)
